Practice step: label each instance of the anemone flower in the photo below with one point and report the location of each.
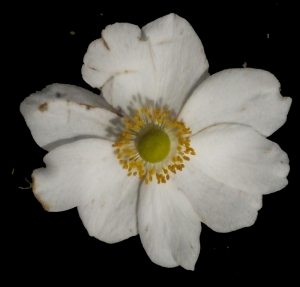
(164, 147)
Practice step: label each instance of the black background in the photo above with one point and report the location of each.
(40, 50)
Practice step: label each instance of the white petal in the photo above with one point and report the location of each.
(160, 64)
(120, 63)
(77, 173)
(242, 96)
(219, 206)
(61, 114)
(178, 57)
(240, 157)
(168, 226)
(112, 217)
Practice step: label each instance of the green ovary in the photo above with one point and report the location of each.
(154, 145)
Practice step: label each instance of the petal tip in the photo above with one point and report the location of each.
(45, 205)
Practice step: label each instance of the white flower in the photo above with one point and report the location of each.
(164, 147)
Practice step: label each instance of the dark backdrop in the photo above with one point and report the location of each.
(40, 50)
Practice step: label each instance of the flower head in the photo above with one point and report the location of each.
(164, 147)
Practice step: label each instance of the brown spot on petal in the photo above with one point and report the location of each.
(143, 38)
(105, 44)
(43, 107)
(164, 42)
(88, 107)
(33, 184)
(45, 205)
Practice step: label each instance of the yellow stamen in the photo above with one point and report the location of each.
(153, 144)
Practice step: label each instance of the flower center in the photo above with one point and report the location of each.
(153, 144)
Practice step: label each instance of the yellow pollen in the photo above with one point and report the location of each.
(153, 144)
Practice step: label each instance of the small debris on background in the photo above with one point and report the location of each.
(72, 33)
(244, 65)
(268, 36)
(21, 187)
(27, 187)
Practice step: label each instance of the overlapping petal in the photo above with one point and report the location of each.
(61, 114)
(120, 64)
(112, 217)
(242, 96)
(168, 226)
(179, 59)
(221, 207)
(161, 63)
(240, 157)
(78, 173)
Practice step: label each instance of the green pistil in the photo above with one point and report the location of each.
(154, 145)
